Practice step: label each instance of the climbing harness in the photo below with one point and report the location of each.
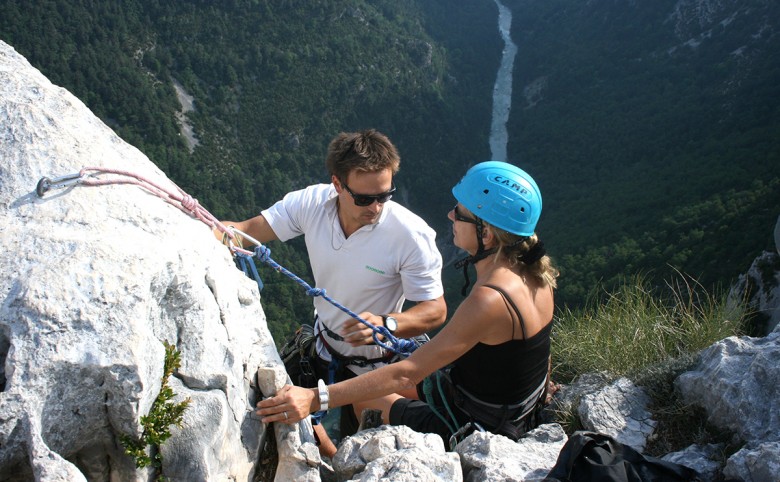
(427, 389)
(299, 355)
(90, 176)
(462, 432)
(481, 414)
(457, 434)
(510, 420)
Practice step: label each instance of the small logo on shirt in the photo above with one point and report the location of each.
(371, 268)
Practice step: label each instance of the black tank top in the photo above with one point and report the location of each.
(507, 372)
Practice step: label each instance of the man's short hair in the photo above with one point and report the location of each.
(363, 151)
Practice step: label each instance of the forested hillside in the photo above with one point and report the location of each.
(652, 127)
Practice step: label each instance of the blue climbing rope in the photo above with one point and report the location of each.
(247, 265)
(400, 346)
(396, 345)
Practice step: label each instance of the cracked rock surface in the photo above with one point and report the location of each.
(95, 279)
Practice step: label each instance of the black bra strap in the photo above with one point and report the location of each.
(511, 303)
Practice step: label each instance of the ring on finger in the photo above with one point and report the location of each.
(285, 415)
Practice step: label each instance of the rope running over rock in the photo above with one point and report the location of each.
(88, 176)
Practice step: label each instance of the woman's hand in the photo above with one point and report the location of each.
(290, 405)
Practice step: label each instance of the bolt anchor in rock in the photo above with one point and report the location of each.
(45, 184)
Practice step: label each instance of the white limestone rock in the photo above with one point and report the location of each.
(486, 456)
(96, 278)
(759, 288)
(701, 458)
(395, 453)
(619, 410)
(737, 382)
(754, 463)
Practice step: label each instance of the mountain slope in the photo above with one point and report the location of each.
(653, 128)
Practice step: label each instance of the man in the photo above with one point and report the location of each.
(369, 253)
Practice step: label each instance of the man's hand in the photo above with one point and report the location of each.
(222, 237)
(356, 333)
(226, 238)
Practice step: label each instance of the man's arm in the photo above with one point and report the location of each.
(420, 318)
(257, 227)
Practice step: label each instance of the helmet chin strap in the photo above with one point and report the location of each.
(481, 254)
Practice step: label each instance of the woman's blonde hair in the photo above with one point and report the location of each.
(515, 248)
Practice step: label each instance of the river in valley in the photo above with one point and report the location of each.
(502, 91)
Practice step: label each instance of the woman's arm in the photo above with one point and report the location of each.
(292, 404)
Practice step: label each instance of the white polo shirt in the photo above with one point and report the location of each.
(376, 269)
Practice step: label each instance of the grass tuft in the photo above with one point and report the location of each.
(650, 336)
(634, 328)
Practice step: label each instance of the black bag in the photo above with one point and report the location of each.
(299, 355)
(589, 456)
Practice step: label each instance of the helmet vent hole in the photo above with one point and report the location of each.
(486, 191)
(522, 210)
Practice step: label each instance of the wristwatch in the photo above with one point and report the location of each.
(390, 323)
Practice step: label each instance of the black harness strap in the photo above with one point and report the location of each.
(357, 360)
(505, 419)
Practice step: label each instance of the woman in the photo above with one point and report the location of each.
(496, 347)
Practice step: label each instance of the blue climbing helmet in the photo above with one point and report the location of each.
(501, 194)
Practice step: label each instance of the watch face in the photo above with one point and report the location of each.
(391, 323)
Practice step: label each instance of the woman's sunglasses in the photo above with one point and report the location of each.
(462, 218)
(369, 199)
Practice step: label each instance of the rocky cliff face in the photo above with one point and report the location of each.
(95, 280)
(760, 286)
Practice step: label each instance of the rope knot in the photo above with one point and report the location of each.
(315, 291)
(189, 203)
(263, 253)
(405, 346)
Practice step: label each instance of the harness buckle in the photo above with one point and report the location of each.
(306, 367)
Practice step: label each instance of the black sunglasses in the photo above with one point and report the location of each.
(460, 217)
(369, 199)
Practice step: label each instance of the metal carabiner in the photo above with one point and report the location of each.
(45, 184)
(462, 431)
